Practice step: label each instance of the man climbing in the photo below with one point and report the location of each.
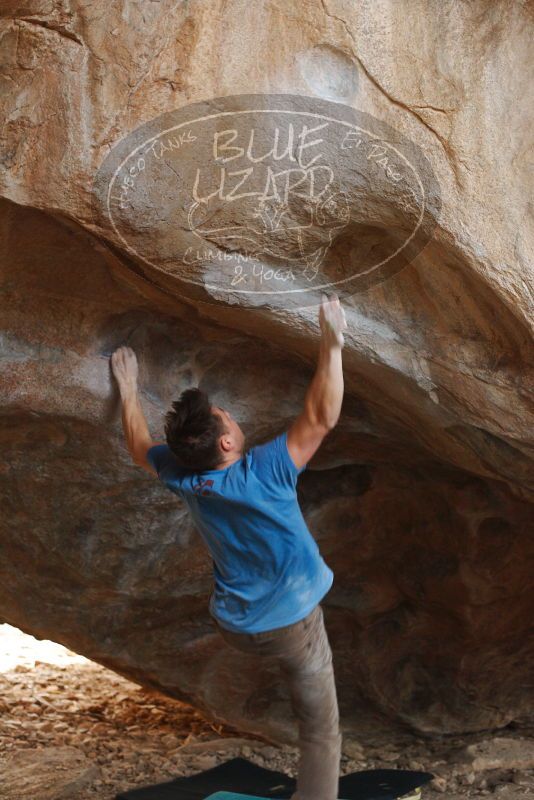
(269, 575)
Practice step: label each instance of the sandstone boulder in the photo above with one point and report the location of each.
(421, 498)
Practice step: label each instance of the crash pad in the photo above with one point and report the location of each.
(240, 776)
(237, 796)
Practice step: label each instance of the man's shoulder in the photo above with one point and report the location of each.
(259, 453)
(267, 444)
(273, 458)
(161, 457)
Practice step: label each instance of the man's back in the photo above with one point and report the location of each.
(269, 573)
(267, 566)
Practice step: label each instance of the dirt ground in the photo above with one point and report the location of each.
(113, 735)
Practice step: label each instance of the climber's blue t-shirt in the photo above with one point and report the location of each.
(268, 570)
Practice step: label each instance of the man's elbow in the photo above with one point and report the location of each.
(325, 423)
(329, 423)
(139, 451)
(321, 419)
(135, 455)
(143, 463)
(139, 458)
(327, 420)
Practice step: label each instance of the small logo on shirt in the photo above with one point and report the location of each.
(203, 487)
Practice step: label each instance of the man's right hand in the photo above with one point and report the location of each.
(322, 404)
(332, 321)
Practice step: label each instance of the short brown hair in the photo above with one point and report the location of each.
(192, 431)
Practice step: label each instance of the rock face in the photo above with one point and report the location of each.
(421, 498)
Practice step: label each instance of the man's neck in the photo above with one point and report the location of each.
(229, 461)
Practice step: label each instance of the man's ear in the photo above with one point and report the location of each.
(226, 443)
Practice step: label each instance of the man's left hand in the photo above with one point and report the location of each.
(125, 368)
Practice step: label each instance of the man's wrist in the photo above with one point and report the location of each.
(330, 343)
(128, 391)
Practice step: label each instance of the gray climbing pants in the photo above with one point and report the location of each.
(305, 658)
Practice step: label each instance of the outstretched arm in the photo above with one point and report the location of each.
(138, 438)
(322, 404)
